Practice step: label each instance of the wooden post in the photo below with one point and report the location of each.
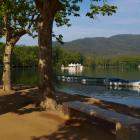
(66, 111)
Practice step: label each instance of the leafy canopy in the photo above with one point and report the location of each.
(67, 8)
(17, 16)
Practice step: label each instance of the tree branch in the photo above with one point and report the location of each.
(17, 36)
(39, 5)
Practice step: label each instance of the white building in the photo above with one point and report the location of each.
(73, 68)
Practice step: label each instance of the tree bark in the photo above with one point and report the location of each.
(7, 58)
(47, 10)
(6, 77)
(46, 88)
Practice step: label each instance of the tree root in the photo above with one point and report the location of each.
(51, 105)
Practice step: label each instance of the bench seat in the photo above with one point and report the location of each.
(127, 127)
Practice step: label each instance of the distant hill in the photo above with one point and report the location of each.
(101, 46)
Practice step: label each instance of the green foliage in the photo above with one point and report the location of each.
(72, 7)
(126, 61)
(22, 56)
(27, 56)
(61, 56)
(102, 10)
(89, 61)
(17, 16)
(21, 15)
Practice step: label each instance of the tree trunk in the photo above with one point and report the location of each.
(46, 88)
(6, 77)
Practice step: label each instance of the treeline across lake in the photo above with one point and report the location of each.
(125, 61)
(23, 56)
(27, 56)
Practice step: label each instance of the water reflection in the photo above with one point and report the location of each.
(123, 96)
(29, 76)
(130, 74)
(119, 88)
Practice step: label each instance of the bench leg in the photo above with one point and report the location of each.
(127, 132)
(66, 112)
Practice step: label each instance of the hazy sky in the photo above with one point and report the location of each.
(125, 21)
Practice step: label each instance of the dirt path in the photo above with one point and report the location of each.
(25, 127)
(20, 120)
(47, 126)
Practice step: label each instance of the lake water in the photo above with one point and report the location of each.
(125, 96)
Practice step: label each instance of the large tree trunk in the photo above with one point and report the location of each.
(11, 39)
(46, 88)
(6, 77)
(47, 10)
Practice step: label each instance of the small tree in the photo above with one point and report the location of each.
(58, 11)
(17, 18)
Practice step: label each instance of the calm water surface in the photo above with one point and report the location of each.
(124, 96)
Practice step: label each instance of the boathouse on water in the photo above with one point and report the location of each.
(73, 67)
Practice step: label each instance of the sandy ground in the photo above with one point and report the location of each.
(47, 126)
(20, 120)
(27, 126)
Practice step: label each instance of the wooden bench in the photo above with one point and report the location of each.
(127, 127)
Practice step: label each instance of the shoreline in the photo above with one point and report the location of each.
(65, 97)
(26, 122)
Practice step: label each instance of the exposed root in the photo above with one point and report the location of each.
(48, 103)
(51, 104)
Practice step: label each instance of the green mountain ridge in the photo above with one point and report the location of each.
(125, 44)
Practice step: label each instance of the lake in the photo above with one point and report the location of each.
(125, 96)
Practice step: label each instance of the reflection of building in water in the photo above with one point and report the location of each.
(73, 68)
(135, 89)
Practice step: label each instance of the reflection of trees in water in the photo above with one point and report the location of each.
(30, 76)
(26, 76)
(129, 74)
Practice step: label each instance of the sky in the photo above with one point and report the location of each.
(125, 21)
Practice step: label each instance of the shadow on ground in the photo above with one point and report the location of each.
(18, 102)
(21, 102)
(78, 130)
(24, 96)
